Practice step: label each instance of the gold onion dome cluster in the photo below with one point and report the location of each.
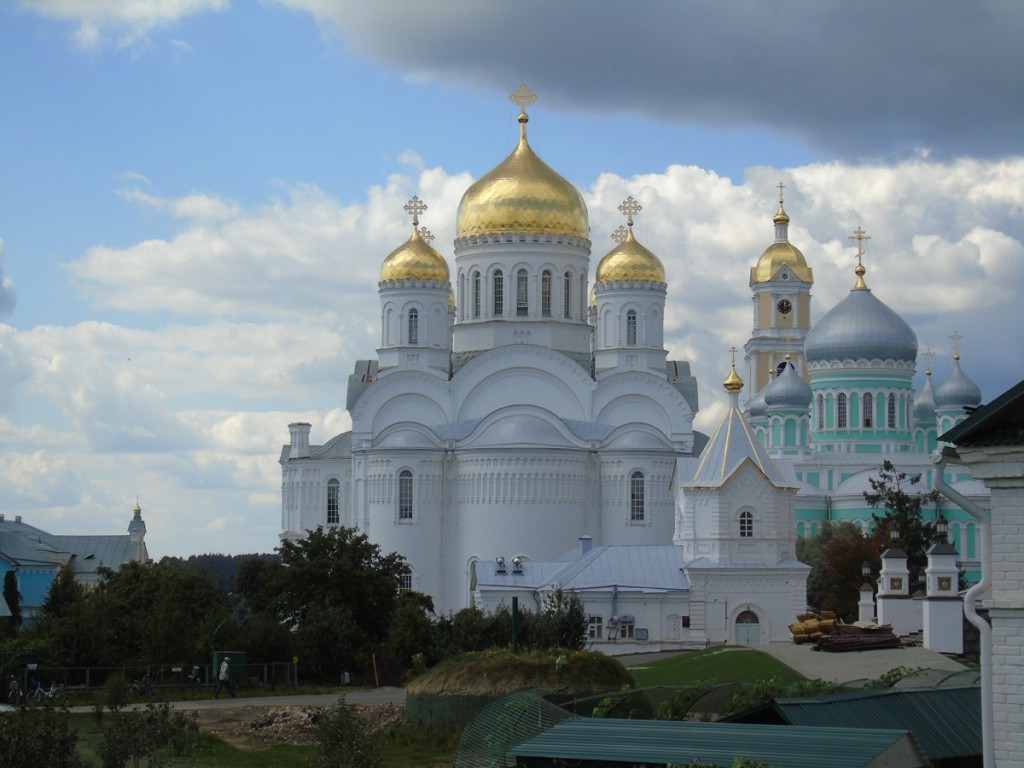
(779, 253)
(414, 260)
(522, 194)
(630, 262)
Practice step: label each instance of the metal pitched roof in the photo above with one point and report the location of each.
(595, 741)
(1000, 422)
(732, 444)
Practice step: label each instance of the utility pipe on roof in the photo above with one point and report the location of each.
(974, 594)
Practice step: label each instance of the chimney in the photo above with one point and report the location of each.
(17, 518)
(586, 543)
(300, 440)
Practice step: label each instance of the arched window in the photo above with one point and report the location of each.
(476, 294)
(414, 326)
(499, 293)
(333, 502)
(631, 328)
(567, 295)
(405, 495)
(405, 582)
(522, 294)
(636, 497)
(890, 412)
(746, 524)
(545, 293)
(841, 411)
(821, 411)
(867, 404)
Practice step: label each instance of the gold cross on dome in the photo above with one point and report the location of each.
(630, 207)
(860, 236)
(522, 97)
(415, 207)
(781, 188)
(928, 355)
(426, 235)
(956, 337)
(733, 350)
(619, 235)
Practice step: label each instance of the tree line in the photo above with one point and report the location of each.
(332, 599)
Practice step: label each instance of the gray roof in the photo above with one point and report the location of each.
(924, 402)
(861, 327)
(596, 741)
(957, 390)
(733, 443)
(787, 390)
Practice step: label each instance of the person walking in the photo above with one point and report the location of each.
(224, 678)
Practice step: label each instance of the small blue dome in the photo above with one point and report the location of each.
(788, 390)
(957, 390)
(757, 406)
(924, 402)
(861, 327)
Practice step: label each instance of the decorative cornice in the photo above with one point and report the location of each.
(433, 284)
(522, 237)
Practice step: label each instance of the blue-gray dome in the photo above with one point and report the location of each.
(788, 390)
(957, 390)
(861, 327)
(924, 401)
(757, 406)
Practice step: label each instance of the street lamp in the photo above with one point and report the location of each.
(942, 526)
(894, 536)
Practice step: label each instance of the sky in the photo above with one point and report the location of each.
(196, 197)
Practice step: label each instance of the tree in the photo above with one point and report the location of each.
(836, 556)
(13, 598)
(893, 492)
(337, 592)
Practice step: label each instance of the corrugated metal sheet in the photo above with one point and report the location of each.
(658, 742)
(946, 721)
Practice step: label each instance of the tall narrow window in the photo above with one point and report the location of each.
(867, 404)
(522, 294)
(567, 296)
(841, 411)
(821, 411)
(414, 326)
(476, 294)
(746, 524)
(631, 328)
(333, 502)
(499, 293)
(595, 627)
(890, 415)
(405, 495)
(636, 497)
(405, 582)
(545, 293)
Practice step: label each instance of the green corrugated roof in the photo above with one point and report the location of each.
(588, 741)
(946, 721)
(1000, 422)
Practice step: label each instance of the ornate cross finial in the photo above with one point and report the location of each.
(426, 235)
(733, 351)
(781, 188)
(956, 337)
(619, 235)
(630, 207)
(789, 338)
(928, 355)
(522, 97)
(860, 236)
(415, 207)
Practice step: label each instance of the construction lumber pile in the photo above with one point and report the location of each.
(861, 636)
(811, 627)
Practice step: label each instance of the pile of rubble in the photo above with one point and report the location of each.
(297, 725)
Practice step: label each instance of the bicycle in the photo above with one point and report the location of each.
(195, 681)
(142, 687)
(53, 693)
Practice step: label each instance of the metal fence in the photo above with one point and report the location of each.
(87, 681)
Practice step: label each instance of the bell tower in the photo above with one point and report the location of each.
(781, 287)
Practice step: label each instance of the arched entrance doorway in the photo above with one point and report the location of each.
(748, 629)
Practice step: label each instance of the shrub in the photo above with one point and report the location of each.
(343, 741)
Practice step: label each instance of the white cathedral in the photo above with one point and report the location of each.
(519, 433)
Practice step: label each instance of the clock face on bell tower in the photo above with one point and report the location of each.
(784, 306)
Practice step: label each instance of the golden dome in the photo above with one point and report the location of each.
(522, 194)
(780, 253)
(733, 382)
(414, 260)
(630, 261)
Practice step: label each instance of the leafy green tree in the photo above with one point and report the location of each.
(836, 556)
(64, 621)
(337, 591)
(33, 737)
(893, 492)
(412, 630)
(343, 741)
(13, 599)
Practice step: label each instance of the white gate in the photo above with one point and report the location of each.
(748, 629)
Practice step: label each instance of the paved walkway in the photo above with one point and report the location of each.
(857, 665)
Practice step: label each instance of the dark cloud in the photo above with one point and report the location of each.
(852, 79)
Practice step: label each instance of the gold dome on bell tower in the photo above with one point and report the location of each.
(415, 259)
(522, 194)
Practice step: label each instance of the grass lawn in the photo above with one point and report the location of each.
(718, 664)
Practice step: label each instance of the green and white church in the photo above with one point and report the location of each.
(521, 428)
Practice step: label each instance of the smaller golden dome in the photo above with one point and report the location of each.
(733, 382)
(415, 260)
(781, 253)
(630, 262)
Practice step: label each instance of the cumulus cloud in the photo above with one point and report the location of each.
(904, 78)
(100, 22)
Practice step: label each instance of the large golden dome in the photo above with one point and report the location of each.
(780, 253)
(414, 260)
(522, 194)
(630, 261)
